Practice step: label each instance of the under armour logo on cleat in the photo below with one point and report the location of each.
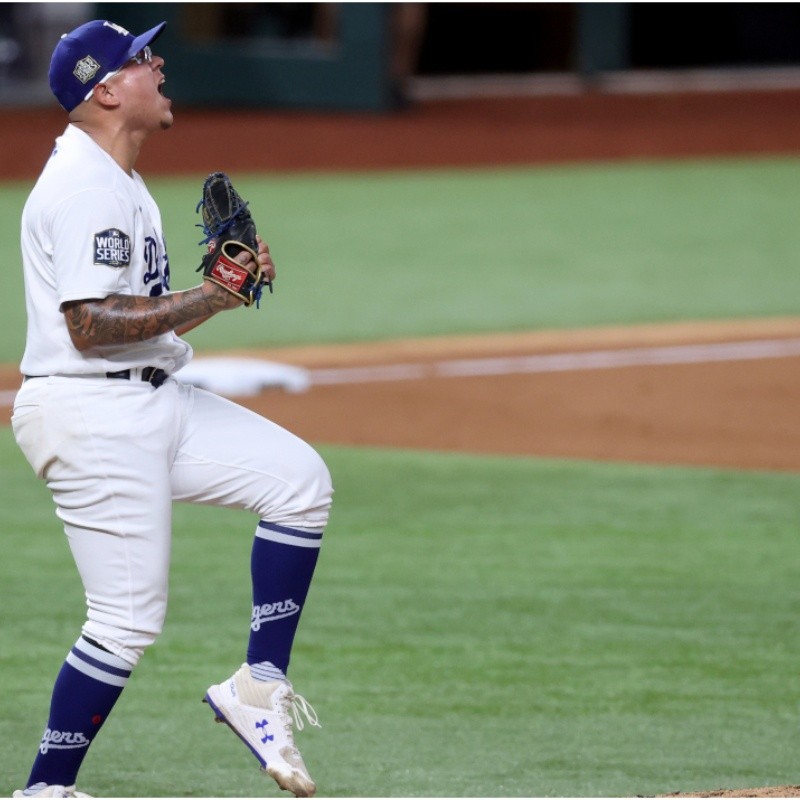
(267, 737)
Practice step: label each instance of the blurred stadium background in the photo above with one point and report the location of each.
(378, 56)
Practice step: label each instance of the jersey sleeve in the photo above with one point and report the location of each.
(92, 235)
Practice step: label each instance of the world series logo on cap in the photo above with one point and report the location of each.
(86, 69)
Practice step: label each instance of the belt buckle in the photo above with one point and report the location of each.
(154, 376)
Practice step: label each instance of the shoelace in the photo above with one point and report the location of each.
(298, 707)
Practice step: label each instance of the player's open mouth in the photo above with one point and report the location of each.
(161, 86)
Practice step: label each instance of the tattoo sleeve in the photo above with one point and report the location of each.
(120, 319)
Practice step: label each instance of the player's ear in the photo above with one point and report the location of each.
(105, 96)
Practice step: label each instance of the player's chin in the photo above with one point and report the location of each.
(167, 120)
(167, 117)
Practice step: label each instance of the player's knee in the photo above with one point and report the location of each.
(317, 496)
(308, 501)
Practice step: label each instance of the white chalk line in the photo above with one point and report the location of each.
(562, 362)
(552, 362)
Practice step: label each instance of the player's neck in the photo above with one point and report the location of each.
(122, 145)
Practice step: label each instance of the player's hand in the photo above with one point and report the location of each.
(265, 259)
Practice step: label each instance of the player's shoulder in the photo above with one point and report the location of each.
(77, 161)
(77, 169)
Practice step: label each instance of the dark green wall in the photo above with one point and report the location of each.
(351, 73)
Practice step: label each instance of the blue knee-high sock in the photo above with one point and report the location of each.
(89, 683)
(282, 566)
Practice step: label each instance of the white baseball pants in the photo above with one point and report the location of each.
(116, 454)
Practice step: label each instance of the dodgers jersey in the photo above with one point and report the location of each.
(90, 230)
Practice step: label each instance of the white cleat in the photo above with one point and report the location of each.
(262, 714)
(43, 790)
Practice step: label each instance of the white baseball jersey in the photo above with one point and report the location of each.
(90, 230)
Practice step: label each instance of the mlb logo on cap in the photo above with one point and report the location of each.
(90, 55)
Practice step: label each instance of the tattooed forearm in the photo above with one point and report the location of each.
(119, 319)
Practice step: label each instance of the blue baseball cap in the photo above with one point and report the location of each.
(90, 55)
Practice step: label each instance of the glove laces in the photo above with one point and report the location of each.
(219, 227)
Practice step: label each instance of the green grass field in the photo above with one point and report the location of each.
(478, 626)
(407, 254)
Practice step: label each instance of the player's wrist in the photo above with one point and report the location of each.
(218, 298)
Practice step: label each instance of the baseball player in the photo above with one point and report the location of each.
(117, 439)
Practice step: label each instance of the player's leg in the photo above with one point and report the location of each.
(232, 457)
(98, 450)
(229, 456)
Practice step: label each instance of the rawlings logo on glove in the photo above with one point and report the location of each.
(230, 274)
(230, 230)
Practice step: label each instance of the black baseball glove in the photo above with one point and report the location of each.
(229, 229)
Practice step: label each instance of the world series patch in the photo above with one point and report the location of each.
(85, 69)
(112, 248)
